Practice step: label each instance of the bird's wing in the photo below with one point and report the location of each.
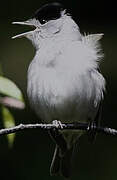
(99, 82)
(92, 39)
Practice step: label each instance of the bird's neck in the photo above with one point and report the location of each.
(70, 30)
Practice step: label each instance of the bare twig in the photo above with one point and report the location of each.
(72, 126)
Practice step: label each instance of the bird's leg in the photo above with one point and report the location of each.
(94, 123)
(58, 137)
(91, 131)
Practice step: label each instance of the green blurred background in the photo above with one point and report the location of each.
(31, 155)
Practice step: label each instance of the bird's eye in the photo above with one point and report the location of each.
(43, 21)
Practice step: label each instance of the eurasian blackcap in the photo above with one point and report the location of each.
(64, 83)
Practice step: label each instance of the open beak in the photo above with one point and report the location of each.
(31, 23)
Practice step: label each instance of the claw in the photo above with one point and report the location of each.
(57, 124)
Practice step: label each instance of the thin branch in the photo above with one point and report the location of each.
(71, 126)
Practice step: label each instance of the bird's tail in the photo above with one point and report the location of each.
(55, 165)
(61, 164)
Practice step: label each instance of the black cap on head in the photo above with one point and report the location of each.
(49, 12)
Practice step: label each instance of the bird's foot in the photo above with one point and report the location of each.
(91, 126)
(57, 124)
(91, 131)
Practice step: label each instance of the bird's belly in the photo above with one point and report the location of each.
(54, 97)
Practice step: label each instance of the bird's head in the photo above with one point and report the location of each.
(48, 21)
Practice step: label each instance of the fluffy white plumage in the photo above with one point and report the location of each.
(63, 80)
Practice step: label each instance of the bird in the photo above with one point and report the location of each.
(64, 83)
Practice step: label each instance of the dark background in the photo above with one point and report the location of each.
(31, 155)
